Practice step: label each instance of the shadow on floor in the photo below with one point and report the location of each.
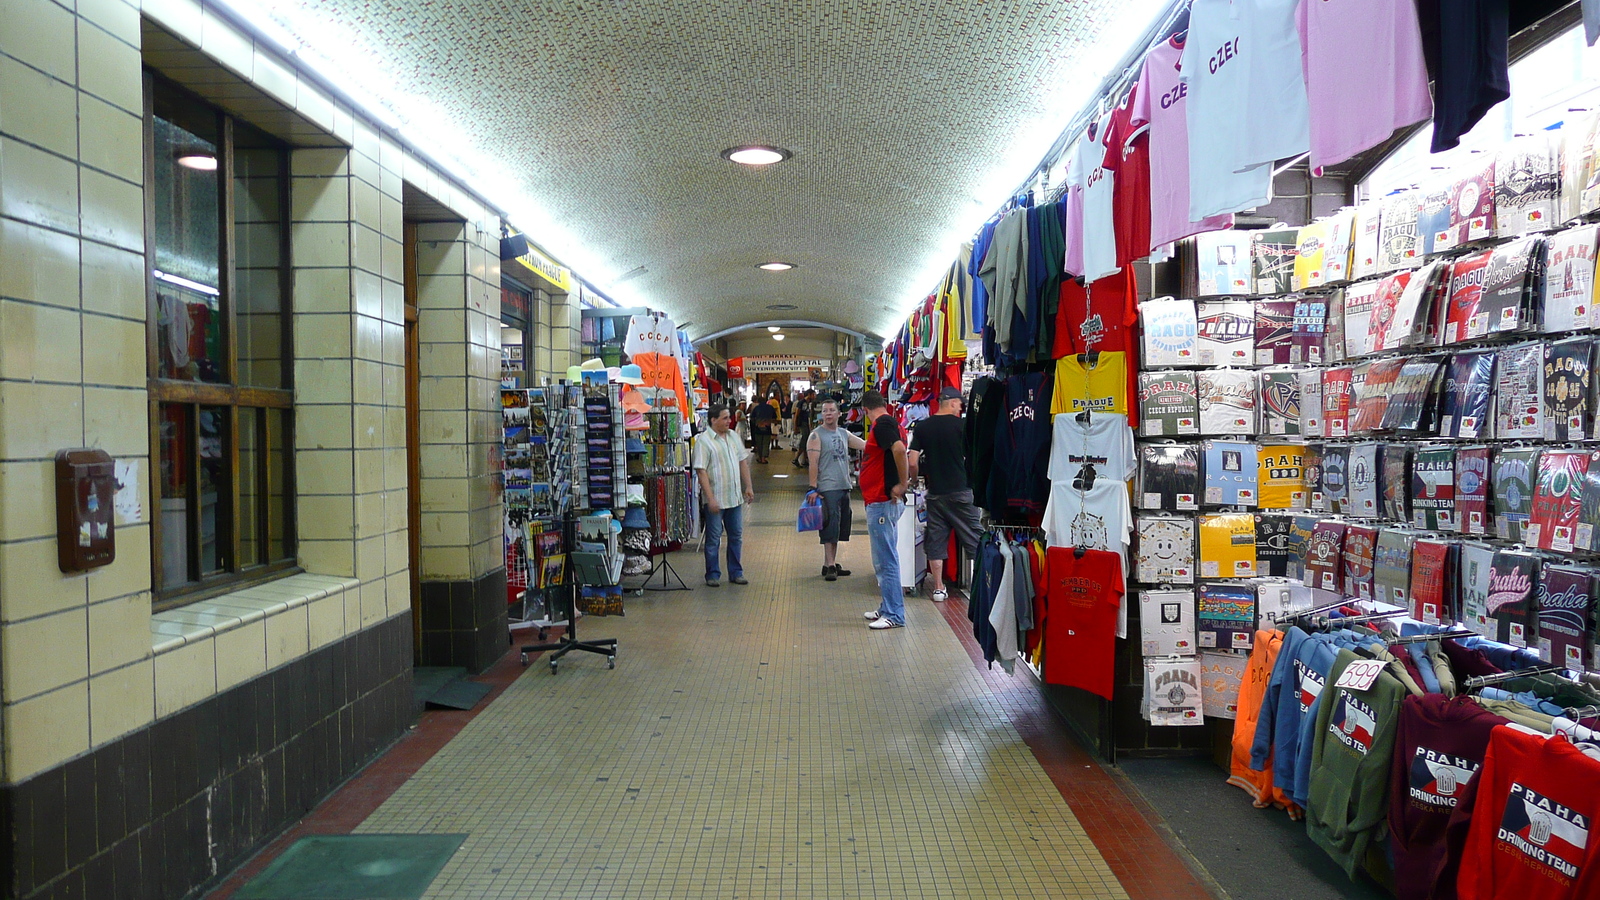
(1253, 854)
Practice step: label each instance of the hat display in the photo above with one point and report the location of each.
(630, 374)
(574, 374)
(593, 365)
(635, 518)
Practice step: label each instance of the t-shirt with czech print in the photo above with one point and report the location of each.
(879, 474)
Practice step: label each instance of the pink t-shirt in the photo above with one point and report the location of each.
(1072, 225)
(1161, 103)
(1365, 74)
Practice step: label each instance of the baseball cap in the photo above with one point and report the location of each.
(950, 393)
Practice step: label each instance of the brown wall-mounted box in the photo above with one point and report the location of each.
(86, 488)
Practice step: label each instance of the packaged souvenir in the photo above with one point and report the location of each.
(1433, 489)
(1227, 401)
(1230, 473)
(1171, 329)
(1274, 332)
(1166, 550)
(1226, 616)
(1169, 404)
(1227, 333)
(1166, 623)
(1228, 545)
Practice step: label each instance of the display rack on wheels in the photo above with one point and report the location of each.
(584, 569)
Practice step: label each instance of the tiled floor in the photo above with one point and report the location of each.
(761, 742)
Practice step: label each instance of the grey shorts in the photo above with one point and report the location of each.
(946, 513)
(835, 516)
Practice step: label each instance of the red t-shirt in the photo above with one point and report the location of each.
(1128, 156)
(1080, 631)
(879, 475)
(1101, 317)
(1536, 800)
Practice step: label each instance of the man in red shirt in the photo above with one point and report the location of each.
(883, 484)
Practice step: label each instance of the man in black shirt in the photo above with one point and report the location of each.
(937, 451)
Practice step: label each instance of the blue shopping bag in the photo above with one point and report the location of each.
(810, 518)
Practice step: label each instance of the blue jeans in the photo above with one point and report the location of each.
(733, 521)
(883, 527)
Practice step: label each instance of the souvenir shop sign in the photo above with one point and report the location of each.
(743, 366)
(559, 277)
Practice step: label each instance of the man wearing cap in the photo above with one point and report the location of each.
(722, 464)
(937, 452)
(829, 449)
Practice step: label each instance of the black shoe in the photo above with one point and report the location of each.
(840, 570)
(830, 573)
(737, 579)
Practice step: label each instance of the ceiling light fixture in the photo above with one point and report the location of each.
(756, 155)
(782, 307)
(774, 328)
(776, 266)
(778, 336)
(200, 162)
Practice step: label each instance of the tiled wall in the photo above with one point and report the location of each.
(85, 668)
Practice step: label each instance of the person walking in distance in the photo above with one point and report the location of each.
(762, 418)
(722, 464)
(938, 454)
(828, 448)
(805, 410)
(883, 482)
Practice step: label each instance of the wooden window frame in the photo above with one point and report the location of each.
(240, 401)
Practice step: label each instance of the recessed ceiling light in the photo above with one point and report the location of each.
(782, 307)
(778, 336)
(774, 328)
(776, 266)
(756, 155)
(201, 162)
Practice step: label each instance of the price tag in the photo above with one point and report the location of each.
(1359, 675)
(1263, 357)
(1153, 427)
(1208, 639)
(1213, 495)
(1586, 536)
(1531, 532)
(1209, 569)
(1152, 501)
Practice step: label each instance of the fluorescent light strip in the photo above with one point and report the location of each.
(185, 283)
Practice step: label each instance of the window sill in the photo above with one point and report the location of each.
(205, 619)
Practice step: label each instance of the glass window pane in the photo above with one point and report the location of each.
(187, 241)
(277, 487)
(215, 502)
(177, 464)
(249, 488)
(258, 258)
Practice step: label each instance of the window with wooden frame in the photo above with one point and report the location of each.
(218, 350)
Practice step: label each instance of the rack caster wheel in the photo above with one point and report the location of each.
(611, 662)
(552, 667)
(524, 658)
(541, 634)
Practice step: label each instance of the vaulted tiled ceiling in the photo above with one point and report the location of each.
(612, 113)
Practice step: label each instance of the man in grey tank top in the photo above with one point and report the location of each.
(829, 451)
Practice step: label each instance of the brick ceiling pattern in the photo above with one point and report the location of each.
(614, 112)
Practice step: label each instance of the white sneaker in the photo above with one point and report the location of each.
(870, 615)
(940, 596)
(881, 623)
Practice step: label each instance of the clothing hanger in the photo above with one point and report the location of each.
(1092, 358)
(1079, 551)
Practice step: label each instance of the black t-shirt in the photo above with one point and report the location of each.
(762, 417)
(939, 439)
(802, 414)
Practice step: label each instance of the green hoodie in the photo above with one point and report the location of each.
(1348, 800)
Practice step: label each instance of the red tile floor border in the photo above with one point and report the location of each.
(1141, 851)
(350, 804)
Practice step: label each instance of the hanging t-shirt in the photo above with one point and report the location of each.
(1566, 616)
(1354, 108)
(1280, 412)
(1104, 442)
(1099, 205)
(1325, 555)
(1100, 517)
(1519, 392)
(1557, 494)
(1085, 593)
(1310, 331)
(1468, 389)
(1527, 188)
(1359, 557)
(1567, 365)
(1018, 474)
(1100, 386)
(1099, 317)
(1128, 159)
(1465, 46)
(1162, 101)
(1166, 623)
(1253, 79)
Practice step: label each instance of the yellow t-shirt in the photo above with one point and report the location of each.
(1228, 546)
(1103, 388)
(1281, 479)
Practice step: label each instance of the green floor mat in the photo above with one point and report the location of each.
(354, 867)
(460, 694)
(426, 680)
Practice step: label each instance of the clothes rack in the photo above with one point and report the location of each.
(1478, 681)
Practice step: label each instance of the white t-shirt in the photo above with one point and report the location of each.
(1100, 518)
(1105, 443)
(651, 334)
(719, 455)
(1099, 231)
(1247, 101)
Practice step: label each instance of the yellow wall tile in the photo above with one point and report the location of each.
(241, 654)
(444, 494)
(368, 338)
(445, 529)
(321, 291)
(328, 518)
(31, 583)
(487, 556)
(368, 293)
(118, 17)
(322, 380)
(41, 342)
(185, 676)
(119, 632)
(366, 382)
(320, 244)
(113, 281)
(117, 420)
(121, 701)
(369, 558)
(399, 594)
(109, 67)
(320, 199)
(37, 108)
(117, 357)
(113, 210)
(46, 731)
(112, 139)
(37, 186)
(445, 563)
(396, 553)
(274, 77)
(325, 471)
(322, 336)
(325, 620)
(27, 506)
(366, 249)
(40, 34)
(287, 636)
(337, 558)
(225, 44)
(323, 427)
(325, 162)
(394, 297)
(36, 420)
(369, 516)
(130, 572)
(45, 653)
